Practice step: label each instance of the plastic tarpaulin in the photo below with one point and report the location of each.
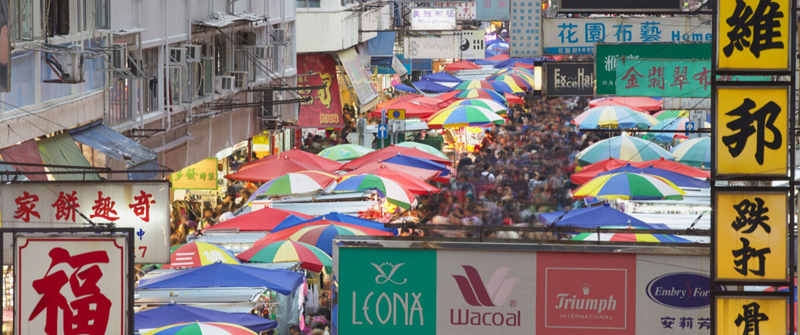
(62, 150)
(175, 313)
(431, 86)
(382, 44)
(594, 217)
(227, 275)
(113, 144)
(26, 152)
(441, 76)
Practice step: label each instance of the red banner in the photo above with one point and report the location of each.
(325, 110)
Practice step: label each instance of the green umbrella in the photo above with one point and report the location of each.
(671, 114)
(694, 152)
(344, 152)
(423, 147)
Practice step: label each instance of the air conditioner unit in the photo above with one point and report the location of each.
(224, 83)
(240, 79)
(119, 57)
(193, 52)
(279, 36)
(177, 55)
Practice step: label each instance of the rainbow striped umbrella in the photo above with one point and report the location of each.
(613, 117)
(464, 116)
(482, 93)
(388, 188)
(474, 83)
(505, 84)
(321, 235)
(345, 152)
(520, 74)
(628, 237)
(622, 147)
(631, 186)
(194, 254)
(694, 152)
(202, 328)
(424, 147)
(292, 183)
(483, 103)
(310, 257)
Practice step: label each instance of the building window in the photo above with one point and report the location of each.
(308, 4)
(21, 19)
(101, 14)
(150, 66)
(57, 14)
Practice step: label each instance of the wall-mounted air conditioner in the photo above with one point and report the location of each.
(119, 57)
(224, 83)
(177, 55)
(193, 52)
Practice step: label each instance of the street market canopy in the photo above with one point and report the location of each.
(113, 144)
(271, 167)
(264, 219)
(338, 217)
(175, 313)
(226, 275)
(389, 152)
(594, 217)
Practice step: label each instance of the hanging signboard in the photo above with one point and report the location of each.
(751, 136)
(261, 146)
(465, 9)
(687, 78)
(143, 206)
(491, 10)
(574, 36)
(71, 285)
(198, 176)
(754, 35)
(433, 19)
(526, 28)
(609, 56)
(755, 314)
(432, 47)
(569, 78)
(324, 108)
(750, 235)
(626, 6)
(472, 44)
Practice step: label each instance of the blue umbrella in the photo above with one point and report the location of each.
(227, 275)
(676, 178)
(420, 163)
(594, 217)
(177, 313)
(406, 88)
(441, 77)
(338, 217)
(429, 86)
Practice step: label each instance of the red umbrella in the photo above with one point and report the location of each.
(274, 166)
(287, 233)
(642, 104)
(513, 99)
(590, 171)
(674, 167)
(422, 174)
(396, 172)
(264, 219)
(389, 152)
(498, 58)
(462, 65)
(440, 101)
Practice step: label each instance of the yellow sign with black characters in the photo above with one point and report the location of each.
(751, 315)
(750, 235)
(753, 35)
(752, 136)
(198, 176)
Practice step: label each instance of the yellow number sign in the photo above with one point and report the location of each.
(750, 235)
(753, 35)
(751, 136)
(751, 315)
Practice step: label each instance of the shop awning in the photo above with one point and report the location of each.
(62, 150)
(223, 20)
(382, 44)
(26, 152)
(119, 147)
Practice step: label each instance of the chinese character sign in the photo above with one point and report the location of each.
(750, 235)
(324, 110)
(198, 176)
(753, 34)
(751, 137)
(751, 315)
(663, 78)
(433, 19)
(71, 285)
(143, 206)
(526, 28)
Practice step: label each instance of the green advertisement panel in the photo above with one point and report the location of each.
(387, 291)
(609, 55)
(663, 78)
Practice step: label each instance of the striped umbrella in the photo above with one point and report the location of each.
(483, 103)
(677, 124)
(519, 73)
(629, 185)
(292, 183)
(310, 257)
(694, 152)
(202, 328)
(474, 83)
(194, 254)
(482, 93)
(388, 188)
(319, 233)
(671, 113)
(622, 147)
(509, 84)
(345, 152)
(613, 117)
(424, 147)
(628, 237)
(463, 116)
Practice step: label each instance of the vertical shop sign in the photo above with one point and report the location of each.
(324, 108)
(526, 28)
(751, 315)
(754, 35)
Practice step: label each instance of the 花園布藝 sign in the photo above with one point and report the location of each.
(569, 78)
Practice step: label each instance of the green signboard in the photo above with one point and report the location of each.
(663, 78)
(608, 56)
(387, 291)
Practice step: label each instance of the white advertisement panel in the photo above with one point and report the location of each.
(483, 292)
(433, 19)
(432, 47)
(358, 76)
(672, 295)
(143, 206)
(573, 36)
(70, 285)
(526, 28)
(473, 45)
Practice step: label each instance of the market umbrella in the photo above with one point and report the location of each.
(264, 219)
(424, 147)
(336, 218)
(630, 186)
(483, 103)
(629, 237)
(517, 78)
(310, 257)
(681, 168)
(319, 233)
(622, 147)
(390, 189)
(676, 178)
(399, 174)
(389, 152)
(671, 113)
(460, 66)
(271, 167)
(642, 104)
(202, 328)
(345, 152)
(694, 152)
(613, 117)
(514, 100)
(417, 173)
(677, 124)
(173, 313)
(196, 254)
(507, 87)
(226, 275)
(419, 163)
(474, 83)
(482, 93)
(291, 183)
(463, 116)
(592, 217)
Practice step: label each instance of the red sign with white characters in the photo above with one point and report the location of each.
(579, 295)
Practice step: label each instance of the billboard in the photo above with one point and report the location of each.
(686, 78)
(569, 78)
(433, 19)
(472, 45)
(432, 47)
(767, 49)
(675, 292)
(574, 36)
(491, 10)
(620, 6)
(526, 28)
(324, 110)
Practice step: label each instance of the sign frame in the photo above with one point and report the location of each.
(546, 75)
(749, 294)
(617, 9)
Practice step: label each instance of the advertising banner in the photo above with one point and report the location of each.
(433, 19)
(526, 28)
(356, 69)
(465, 9)
(574, 36)
(673, 295)
(472, 44)
(198, 176)
(569, 78)
(71, 285)
(432, 47)
(491, 10)
(324, 110)
(626, 6)
(143, 206)
(686, 78)
(609, 55)
(767, 48)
